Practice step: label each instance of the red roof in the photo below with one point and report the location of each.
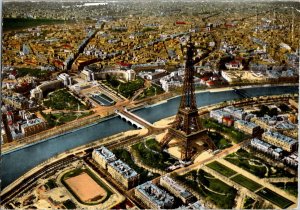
(14, 72)
(239, 58)
(234, 62)
(210, 82)
(229, 25)
(67, 46)
(9, 113)
(227, 119)
(58, 63)
(180, 22)
(24, 84)
(124, 64)
(29, 61)
(204, 78)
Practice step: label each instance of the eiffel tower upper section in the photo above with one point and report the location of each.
(187, 116)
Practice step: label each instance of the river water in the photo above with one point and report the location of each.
(18, 162)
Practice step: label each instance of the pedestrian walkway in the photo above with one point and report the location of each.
(281, 179)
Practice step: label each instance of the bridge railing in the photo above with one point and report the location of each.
(137, 117)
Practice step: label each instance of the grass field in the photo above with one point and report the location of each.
(290, 187)
(255, 165)
(225, 201)
(33, 72)
(62, 118)
(225, 171)
(150, 154)
(151, 91)
(126, 89)
(235, 135)
(274, 198)
(219, 140)
(245, 182)
(62, 99)
(219, 193)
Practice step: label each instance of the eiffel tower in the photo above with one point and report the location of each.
(187, 128)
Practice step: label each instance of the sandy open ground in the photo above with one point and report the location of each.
(85, 187)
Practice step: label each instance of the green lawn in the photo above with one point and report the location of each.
(153, 144)
(219, 140)
(249, 203)
(152, 155)
(245, 182)
(290, 187)
(127, 89)
(260, 171)
(151, 91)
(236, 136)
(220, 168)
(33, 72)
(72, 173)
(62, 99)
(274, 198)
(224, 198)
(62, 118)
(125, 156)
(258, 166)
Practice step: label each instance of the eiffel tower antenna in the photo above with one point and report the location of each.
(256, 20)
(293, 21)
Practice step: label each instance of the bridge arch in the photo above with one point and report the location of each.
(129, 120)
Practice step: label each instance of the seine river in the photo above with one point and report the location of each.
(18, 162)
